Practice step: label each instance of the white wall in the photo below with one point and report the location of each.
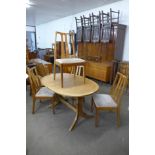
(46, 32)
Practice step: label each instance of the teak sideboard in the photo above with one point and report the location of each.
(100, 71)
(99, 58)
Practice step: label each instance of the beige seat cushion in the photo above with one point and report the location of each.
(69, 60)
(104, 100)
(44, 91)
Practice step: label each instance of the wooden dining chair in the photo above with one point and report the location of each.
(39, 92)
(123, 67)
(42, 70)
(112, 101)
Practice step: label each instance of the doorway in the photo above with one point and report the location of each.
(31, 39)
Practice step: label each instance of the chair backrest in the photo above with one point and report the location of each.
(86, 28)
(105, 27)
(34, 80)
(114, 16)
(79, 29)
(96, 24)
(42, 70)
(123, 67)
(64, 37)
(105, 19)
(118, 87)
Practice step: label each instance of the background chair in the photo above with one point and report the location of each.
(110, 101)
(123, 67)
(39, 92)
(42, 70)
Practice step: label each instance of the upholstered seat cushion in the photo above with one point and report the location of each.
(104, 100)
(44, 91)
(70, 60)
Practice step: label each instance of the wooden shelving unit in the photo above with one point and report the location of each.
(101, 55)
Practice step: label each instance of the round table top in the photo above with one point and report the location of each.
(73, 86)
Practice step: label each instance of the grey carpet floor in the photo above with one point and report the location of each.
(47, 134)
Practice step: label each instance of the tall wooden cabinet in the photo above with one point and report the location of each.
(100, 55)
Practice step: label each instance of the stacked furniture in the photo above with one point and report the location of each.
(71, 84)
(79, 29)
(64, 58)
(63, 50)
(95, 22)
(105, 44)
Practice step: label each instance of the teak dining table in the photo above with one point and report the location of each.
(73, 87)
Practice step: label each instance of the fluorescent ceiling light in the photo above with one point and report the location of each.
(28, 4)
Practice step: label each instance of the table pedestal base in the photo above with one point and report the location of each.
(79, 113)
(78, 110)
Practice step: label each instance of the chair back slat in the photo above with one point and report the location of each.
(78, 70)
(124, 84)
(118, 87)
(66, 46)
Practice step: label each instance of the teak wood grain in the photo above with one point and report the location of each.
(73, 86)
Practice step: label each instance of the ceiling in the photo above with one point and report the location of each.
(42, 11)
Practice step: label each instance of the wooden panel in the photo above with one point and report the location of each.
(104, 51)
(110, 53)
(99, 57)
(100, 71)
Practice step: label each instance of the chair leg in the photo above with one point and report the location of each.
(30, 91)
(33, 105)
(26, 85)
(118, 117)
(92, 104)
(127, 87)
(96, 118)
